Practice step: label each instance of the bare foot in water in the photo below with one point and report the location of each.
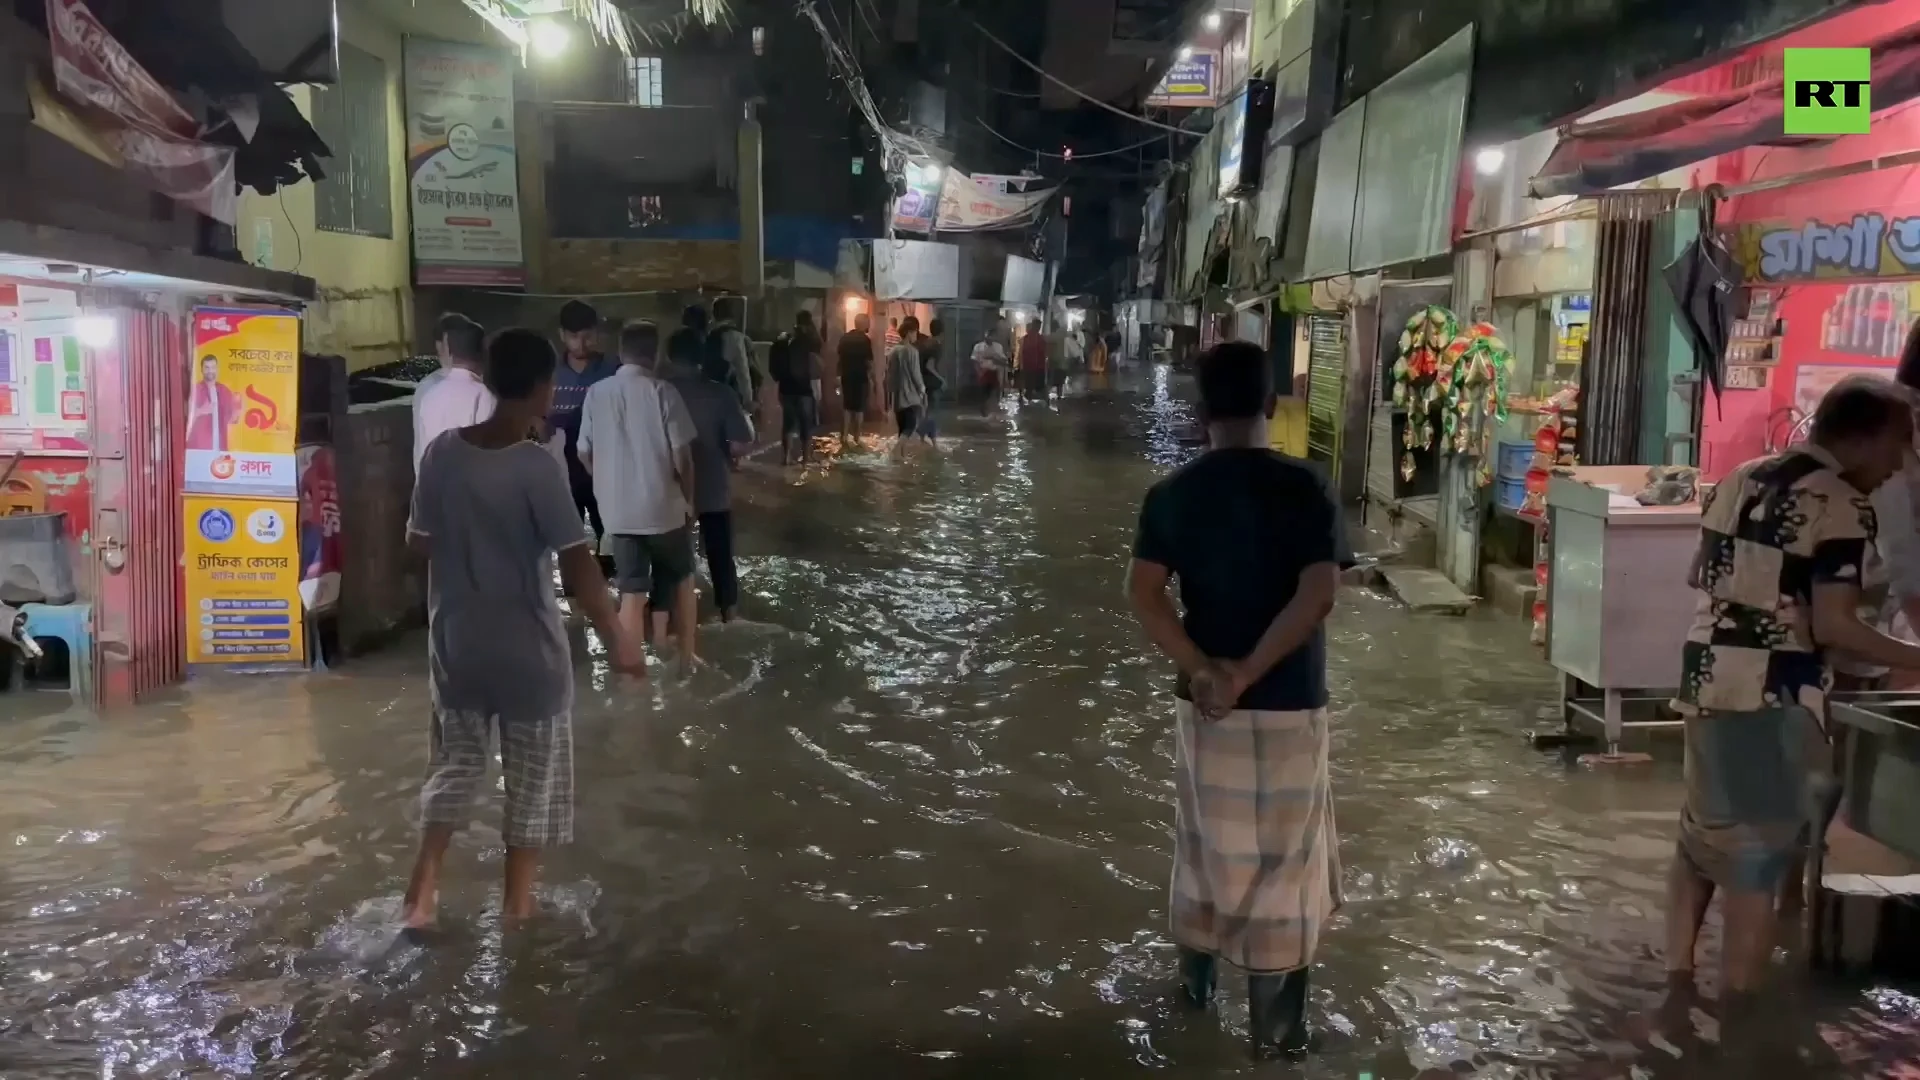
(421, 914)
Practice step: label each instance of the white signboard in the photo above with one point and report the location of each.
(463, 180)
(915, 270)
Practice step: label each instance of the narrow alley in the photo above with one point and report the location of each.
(913, 821)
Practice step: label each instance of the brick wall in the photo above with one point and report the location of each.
(609, 266)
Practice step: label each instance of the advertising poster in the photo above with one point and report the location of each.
(969, 207)
(243, 582)
(45, 396)
(1188, 84)
(915, 210)
(463, 176)
(243, 403)
(320, 557)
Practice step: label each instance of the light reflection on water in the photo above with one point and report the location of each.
(912, 821)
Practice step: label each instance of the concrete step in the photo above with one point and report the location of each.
(1425, 590)
(1509, 588)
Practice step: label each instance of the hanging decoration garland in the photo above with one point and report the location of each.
(1417, 372)
(1478, 404)
(1465, 372)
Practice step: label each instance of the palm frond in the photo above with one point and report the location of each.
(611, 23)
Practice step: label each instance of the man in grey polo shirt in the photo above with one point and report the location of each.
(636, 439)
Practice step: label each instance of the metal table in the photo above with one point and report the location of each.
(1618, 602)
(1877, 739)
(1865, 916)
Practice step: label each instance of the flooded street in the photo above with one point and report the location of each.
(913, 821)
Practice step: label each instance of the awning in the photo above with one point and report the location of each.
(1592, 157)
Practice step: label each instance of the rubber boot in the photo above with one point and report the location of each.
(1277, 1013)
(1196, 977)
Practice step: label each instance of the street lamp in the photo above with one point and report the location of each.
(1212, 20)
(1186, 52)
(550, 37)
(1489, 161)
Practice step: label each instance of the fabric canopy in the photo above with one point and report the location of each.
(1593, 157)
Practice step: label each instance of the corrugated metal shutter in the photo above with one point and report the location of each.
(1382, 456)
(140, 644)
(1326, 385)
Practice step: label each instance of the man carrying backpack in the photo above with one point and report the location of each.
(795, 365)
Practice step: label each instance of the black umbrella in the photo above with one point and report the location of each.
(1702, 281)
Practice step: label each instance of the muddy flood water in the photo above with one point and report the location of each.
(914, 821)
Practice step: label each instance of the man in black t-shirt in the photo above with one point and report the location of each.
(795, 364)
(1256, 543)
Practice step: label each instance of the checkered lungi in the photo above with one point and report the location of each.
(1256, 868)
(536, 757)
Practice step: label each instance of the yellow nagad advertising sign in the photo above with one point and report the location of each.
(243, 582)
(243, 403)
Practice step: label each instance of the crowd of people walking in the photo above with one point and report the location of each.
(610, 465)
(532, 459)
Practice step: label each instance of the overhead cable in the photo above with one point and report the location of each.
(1074, 90)
(840, 59)
(1076, 155)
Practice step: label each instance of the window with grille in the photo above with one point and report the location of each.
(643, 81)
(356, 196)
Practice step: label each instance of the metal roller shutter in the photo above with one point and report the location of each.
(1326, 385)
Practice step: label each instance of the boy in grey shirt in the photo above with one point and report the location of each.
(491, 508)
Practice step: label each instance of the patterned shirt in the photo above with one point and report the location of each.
(1770, 532)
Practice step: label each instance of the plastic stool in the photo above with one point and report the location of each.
(72, 625)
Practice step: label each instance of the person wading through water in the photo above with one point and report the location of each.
(932, 347)
(856, 378)
(722, 433)
(637, 439)
(583, 365)
(1784, 543)
(490, 510)
(794, 361)
(1257, 545)
(906, 384)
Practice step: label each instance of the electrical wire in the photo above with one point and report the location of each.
(299, 245)
(1149, 141)
(840, 60)
(864, 8)
(1074, 90)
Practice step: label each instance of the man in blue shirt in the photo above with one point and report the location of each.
(582, 365)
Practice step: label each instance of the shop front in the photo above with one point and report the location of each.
(1376, 250)
(1829, 266)
(97, 427)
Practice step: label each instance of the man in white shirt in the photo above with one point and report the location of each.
(454, 396)
(636, 439)
(990, 367)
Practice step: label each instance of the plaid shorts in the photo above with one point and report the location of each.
(536, 757)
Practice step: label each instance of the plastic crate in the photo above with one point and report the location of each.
(1513, 491)
(1513, 459)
